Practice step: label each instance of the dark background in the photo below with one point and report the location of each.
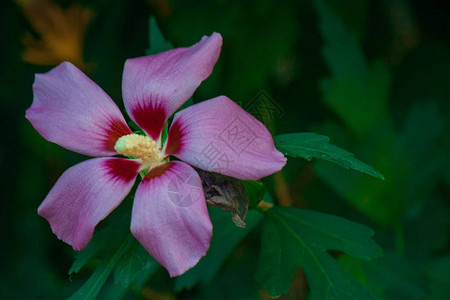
(371, 75)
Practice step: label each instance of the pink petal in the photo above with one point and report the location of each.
(170, 218)
(219, 136)
(155, 86)
(84, 195)
(72, 111)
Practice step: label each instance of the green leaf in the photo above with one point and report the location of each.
(397, 277)
(157, 42)
(439, 275)
(392, 276)
(412, 160)
(102, 243)
(143, 275)
(225, 238)
(356, 91)
(134, 262)
(117, 249)
(293, 238)
(112, 291)
(310, 145)
(92, 287)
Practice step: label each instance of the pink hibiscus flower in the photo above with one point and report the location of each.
(169, 216)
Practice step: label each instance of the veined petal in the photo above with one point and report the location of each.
(84, 195)
(219, 136)
(155, 86)
(170, 218)
(72, 111)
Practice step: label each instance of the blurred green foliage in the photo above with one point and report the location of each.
(371, 75)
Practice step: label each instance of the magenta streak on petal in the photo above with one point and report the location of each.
(150, 118)
(157, 171)
(174, 139)
(115, 129)
(121, 169)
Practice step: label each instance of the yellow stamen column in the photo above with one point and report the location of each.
(141, 147)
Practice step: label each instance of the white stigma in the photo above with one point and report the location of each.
(140, 147)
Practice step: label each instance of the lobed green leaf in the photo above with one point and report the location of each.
(310, 145)
(293, 238)
(91, 288)
(356, 91)
(118, 251)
